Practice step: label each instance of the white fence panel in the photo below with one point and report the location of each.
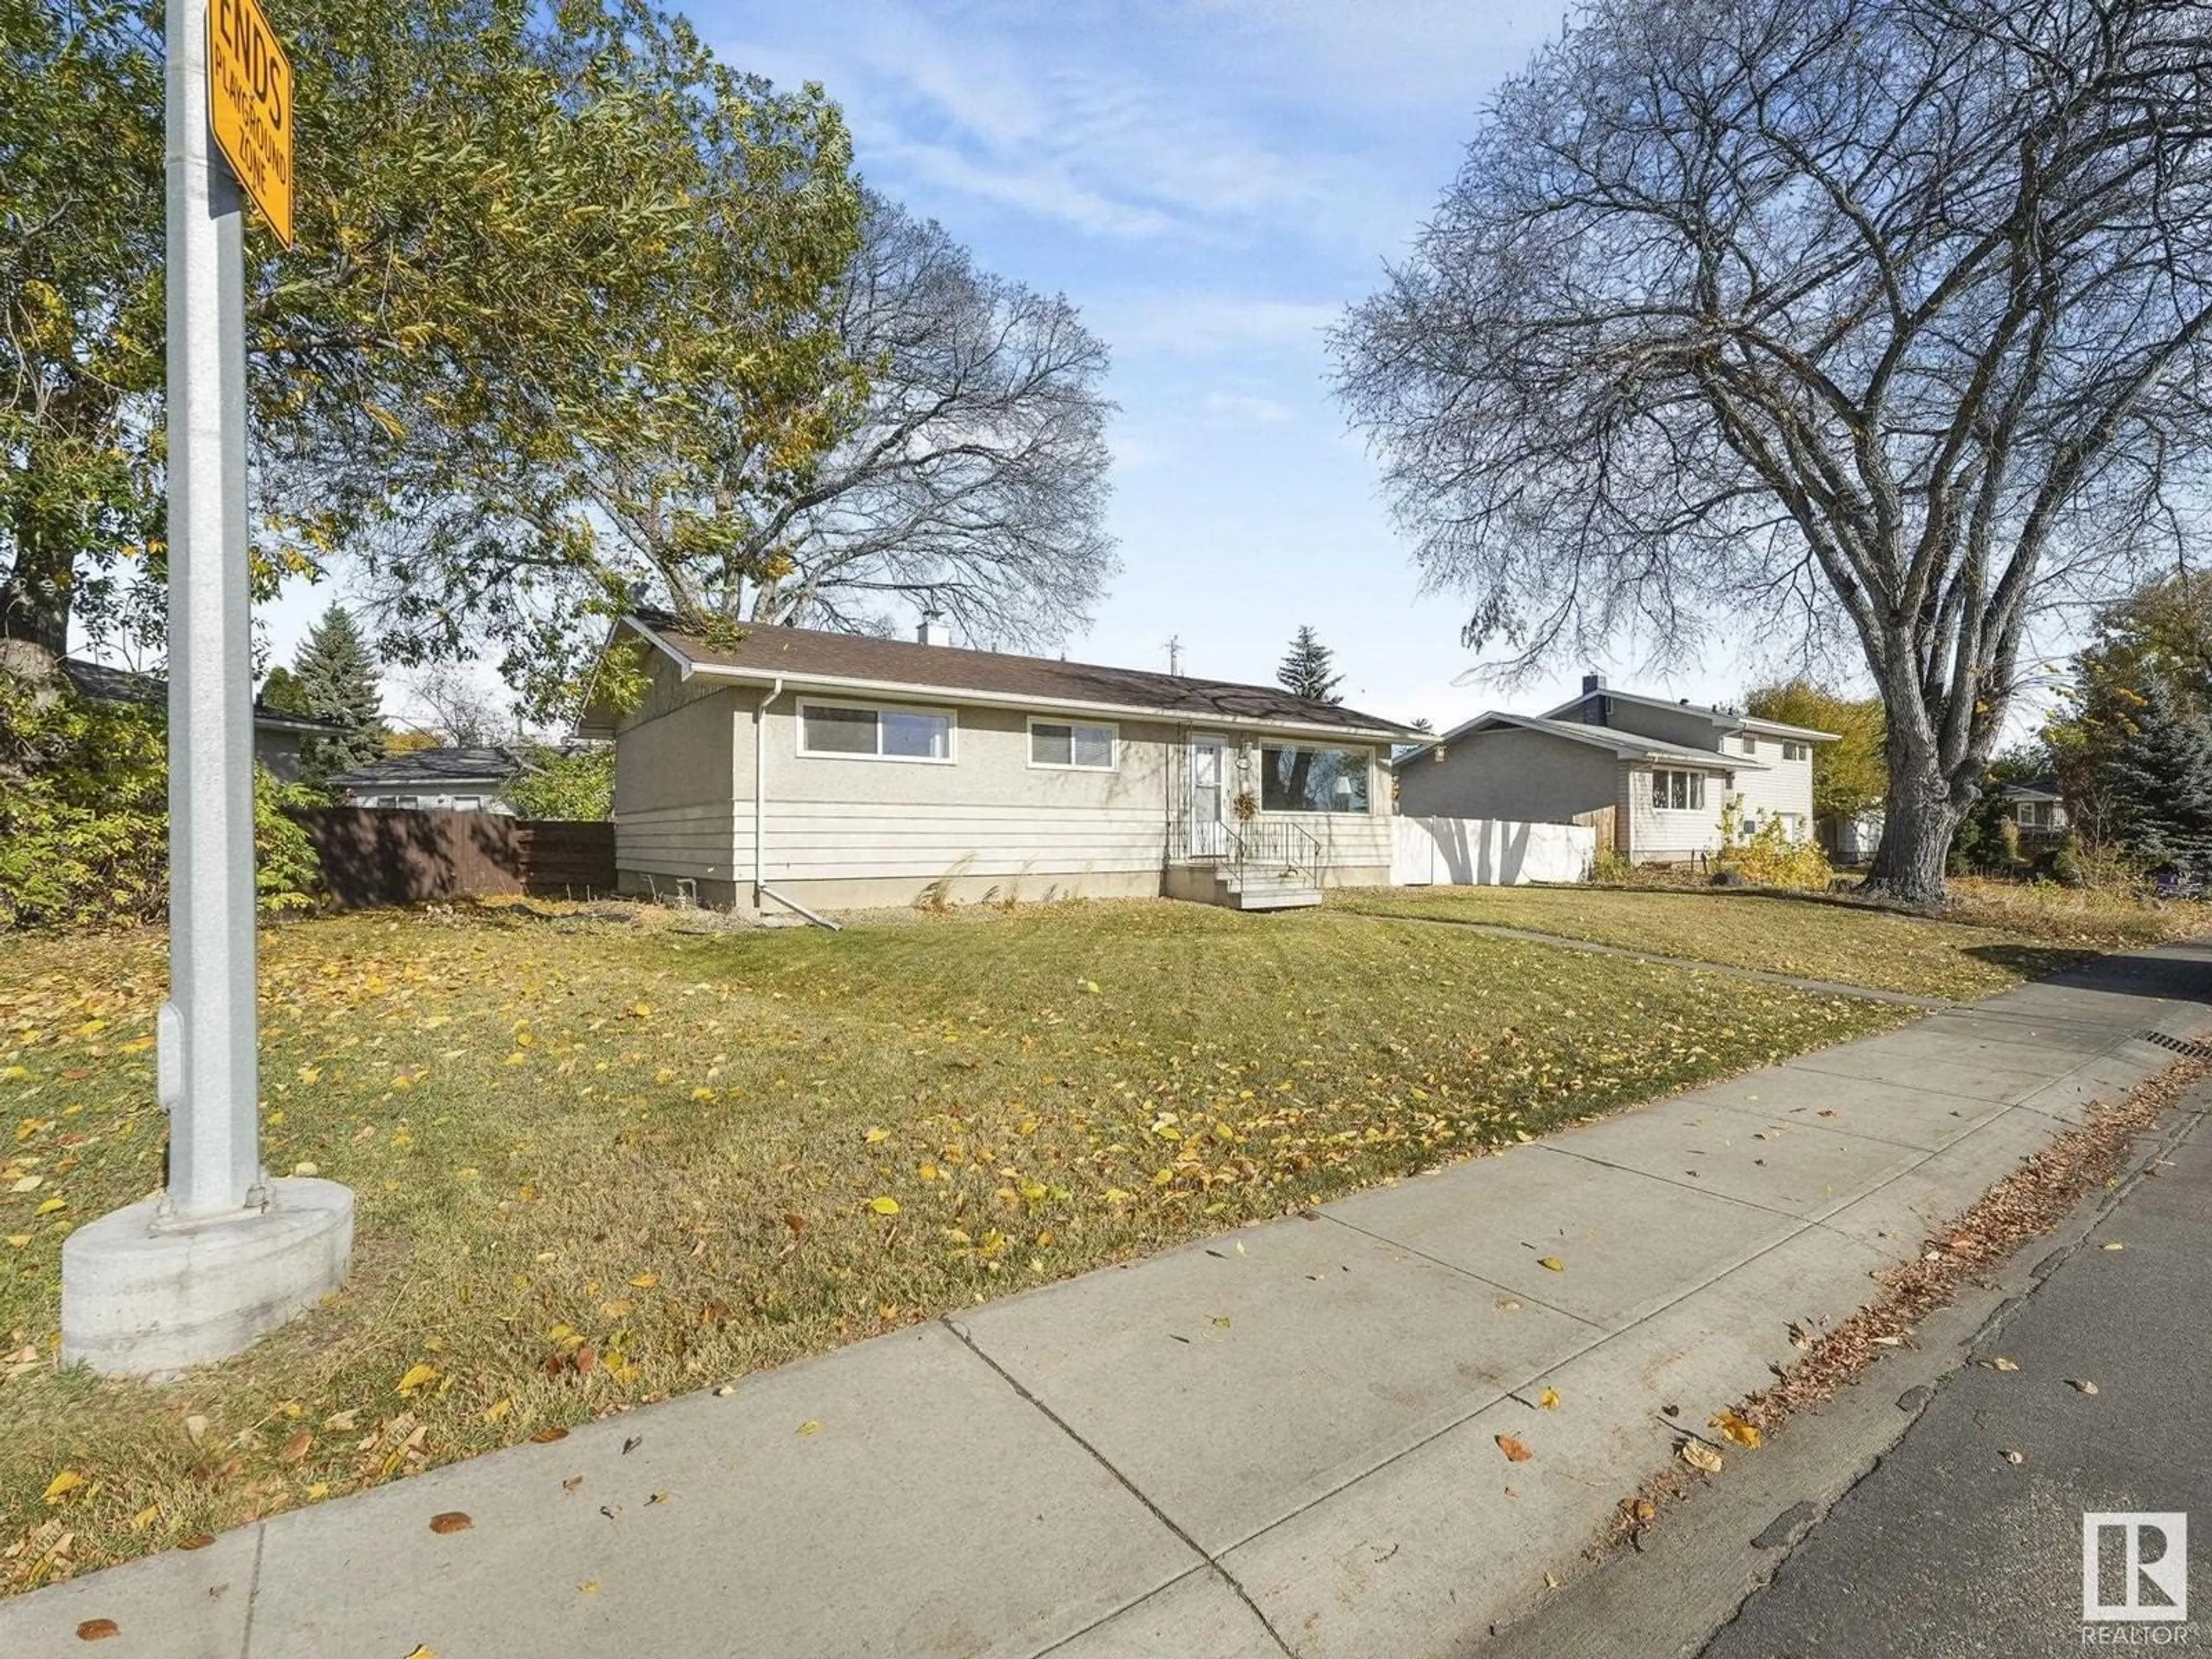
(1488, 852)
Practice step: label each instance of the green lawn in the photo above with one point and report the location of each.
(598, 1164)
(1815, 936)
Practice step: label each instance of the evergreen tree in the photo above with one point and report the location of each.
(2159, 778)
(336, 678)
(282, 692)
(1306, 670)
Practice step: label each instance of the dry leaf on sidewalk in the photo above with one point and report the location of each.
(1699, 1455)
(1736, 1429)
(1516, 1450)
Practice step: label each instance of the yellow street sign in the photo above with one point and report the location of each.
(249, 106)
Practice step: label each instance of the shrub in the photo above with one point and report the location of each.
(1769, 856)
(84, 818)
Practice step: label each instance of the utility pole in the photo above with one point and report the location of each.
(1175, 654)
(224, 1254)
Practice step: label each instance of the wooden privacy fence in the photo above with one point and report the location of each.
(373, 855)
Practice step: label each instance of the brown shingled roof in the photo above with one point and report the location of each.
(807, 653)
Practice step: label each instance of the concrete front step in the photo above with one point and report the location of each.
(1269, 895)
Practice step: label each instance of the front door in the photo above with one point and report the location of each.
(1208, 805)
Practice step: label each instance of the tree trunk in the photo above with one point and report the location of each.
(1917, 827)
(35, 598)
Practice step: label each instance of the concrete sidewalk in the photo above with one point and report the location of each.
(1282, 1441)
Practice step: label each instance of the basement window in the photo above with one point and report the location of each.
(1678, 791)
(855, 732)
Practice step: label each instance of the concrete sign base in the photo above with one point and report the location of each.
(142, 1297)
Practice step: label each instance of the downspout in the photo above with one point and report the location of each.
(760, 788)
(762, 890)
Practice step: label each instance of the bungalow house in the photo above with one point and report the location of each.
(830, 770)
(2039, 811)
(278, 734)
(452, 779)
(1666, 769)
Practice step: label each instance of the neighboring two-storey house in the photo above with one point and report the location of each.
(1667, 769)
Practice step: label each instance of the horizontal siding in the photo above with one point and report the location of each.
(681, 841)
(824, 841)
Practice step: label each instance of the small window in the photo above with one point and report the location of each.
(1678, 791)
(1792, 752)
(1078, 747)
(1303, 780)
(834, 729)
(1750, 745)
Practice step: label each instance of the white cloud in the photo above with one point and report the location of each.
(1242, 409)
(1187, 323)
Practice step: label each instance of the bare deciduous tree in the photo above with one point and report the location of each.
(1888, 315)
(975, 477)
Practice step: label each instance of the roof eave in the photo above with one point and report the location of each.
(799, 680)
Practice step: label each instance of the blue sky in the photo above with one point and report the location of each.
(1211, 181)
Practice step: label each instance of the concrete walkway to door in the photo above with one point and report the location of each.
(1284, 1441)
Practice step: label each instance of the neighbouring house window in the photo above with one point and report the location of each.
(924, 734)
(1792, 752)
(1751, 745)
(1678, 792)
(1067, 742)
(1297, 779)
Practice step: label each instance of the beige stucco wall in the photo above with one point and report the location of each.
(1510, 772)
(683, 760)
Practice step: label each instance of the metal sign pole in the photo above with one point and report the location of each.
(224, 1255)
(210, 1082)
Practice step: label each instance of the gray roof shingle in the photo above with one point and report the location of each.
(806, 652)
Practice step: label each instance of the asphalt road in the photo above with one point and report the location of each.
(1949, 1547)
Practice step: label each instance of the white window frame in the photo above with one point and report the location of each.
(1112, 730)
(1749, 742)
(1697, 787)
(1795, 751)
(950, 757)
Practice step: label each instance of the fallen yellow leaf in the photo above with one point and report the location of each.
(1553, 1262)
(417, 1375)
(646, 1281)
(498, 1409)
(885, 1205)
(810, 1426)
(63, 1484)
(1735, 1428)
(1549, 1400)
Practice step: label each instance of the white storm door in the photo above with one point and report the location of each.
(1208, 770)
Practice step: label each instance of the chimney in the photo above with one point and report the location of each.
(933, 630)
(1593, 682)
